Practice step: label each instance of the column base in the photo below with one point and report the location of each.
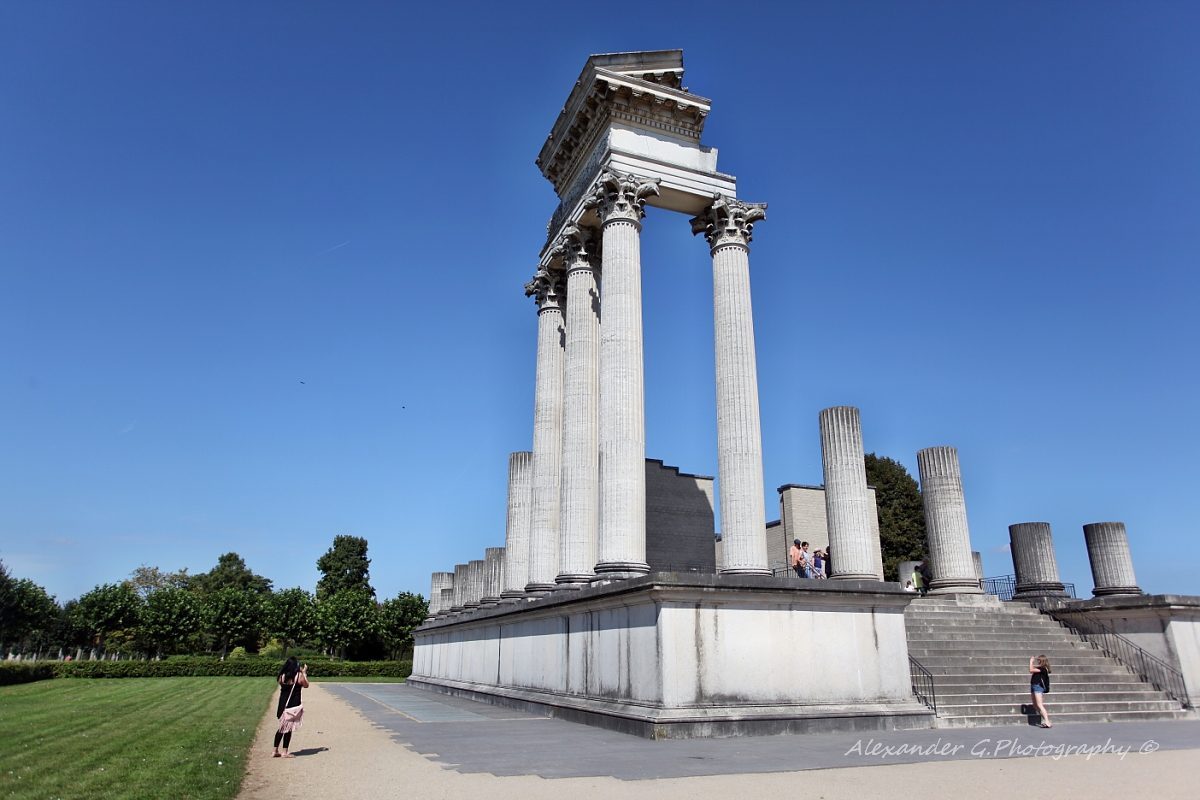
(747, 571)
(855, 576)
(620, 571)
(941, 586)
(577, 580)
(1029, 591)
(1109, 591)
(539, 589)
(512, 594)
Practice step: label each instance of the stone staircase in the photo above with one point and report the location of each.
(978, 651)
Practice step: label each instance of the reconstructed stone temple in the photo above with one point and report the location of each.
(611, 602)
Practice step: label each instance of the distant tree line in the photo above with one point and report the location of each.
(155, 614)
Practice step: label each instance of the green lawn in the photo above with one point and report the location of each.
(133, 738)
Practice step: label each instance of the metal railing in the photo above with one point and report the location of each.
(922, 684)
(1005, 586)
(1149, 668)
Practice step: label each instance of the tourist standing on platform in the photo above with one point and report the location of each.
(796, 557)
(818, 565)
(1039, 687)
(918, 581)
(293, 678)
(926, 576)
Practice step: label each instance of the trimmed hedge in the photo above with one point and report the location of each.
(202, 666)
(12, 672)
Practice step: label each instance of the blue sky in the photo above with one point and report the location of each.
(261, 267)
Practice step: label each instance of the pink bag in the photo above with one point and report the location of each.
(292, 718)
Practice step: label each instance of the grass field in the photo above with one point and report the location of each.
(134, 738)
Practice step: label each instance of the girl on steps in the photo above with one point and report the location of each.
(1039, 686)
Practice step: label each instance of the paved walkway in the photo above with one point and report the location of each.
(390, 740)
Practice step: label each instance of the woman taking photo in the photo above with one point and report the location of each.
(1039, 686)
(292, 679)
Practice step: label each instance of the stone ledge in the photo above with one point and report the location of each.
(817, 591)
(692, 722)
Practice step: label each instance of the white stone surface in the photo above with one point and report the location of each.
(439, 581)
(946, 522)
(727, 225)
(619, 200)
(493, 575)
(1034, 563)
(687, 648)
(1112, 565)
(847, 501)
(547, 434)
(517, 528)
(460, 587)
(473, 595)
(977, 557)
(579, 514)
(446, 602)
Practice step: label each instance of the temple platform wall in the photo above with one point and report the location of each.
(676, 656)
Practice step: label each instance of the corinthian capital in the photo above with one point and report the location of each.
(728, 221)
(619, 195)
(547, 288)
(579, 247)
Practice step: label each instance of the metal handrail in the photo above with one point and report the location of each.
(1005, 586)
(922, 684)
(1149, 668)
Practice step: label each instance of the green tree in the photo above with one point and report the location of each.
(345, 567)
(346, 618)
(29, 614)
(231, 572)
(169, 618)
(290, 617)
(398, 617)
(147, 580)
(901, 513)
(108, 610)
(230, 613)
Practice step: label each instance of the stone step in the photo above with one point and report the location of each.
(1006, 683)
(1000, 698)
(1004, 649)
(1009, 674)
(1016, 661)
(990, 720)
(994, 641)
(997, 709)
(955, 617)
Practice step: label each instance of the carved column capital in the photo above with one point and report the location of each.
(621, 196)
(579, 248)
(547, 288)
(728, 221)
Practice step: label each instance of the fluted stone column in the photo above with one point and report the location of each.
(726, 226)
(1112, 565)
(474, 593)
(579, 509)
(516, 535)
(847, 501)
(946, 522)
(460, 587)
(547, 287)
(978, 559)
(447, 601)
(493, 575)
(439, 581)
(1034, 562)
(619, 200)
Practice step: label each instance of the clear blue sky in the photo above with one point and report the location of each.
(983, 232)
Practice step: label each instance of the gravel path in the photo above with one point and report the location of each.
(341, 754)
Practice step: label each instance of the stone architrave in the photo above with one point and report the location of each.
(446, 602)
(579, 509)
(460, 588)
(474, 593)
(516, 535)
(727, 225)
(847, 500)
(1034, 562)
(619, 200)
(547, 287)
(977, 558)
(1112, 565)
(493, 575)
(946, 522)
(439, 581)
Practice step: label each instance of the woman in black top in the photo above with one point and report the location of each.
(1039, 686)
(293, 679)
